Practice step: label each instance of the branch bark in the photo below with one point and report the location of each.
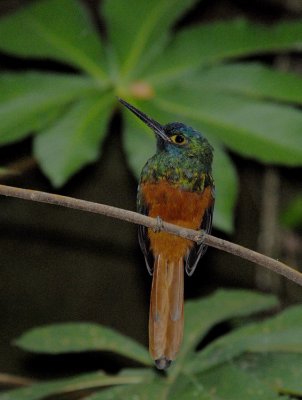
(139, 219)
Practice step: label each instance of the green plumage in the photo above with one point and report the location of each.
(186, 165)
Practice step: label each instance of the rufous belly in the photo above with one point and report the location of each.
(178, 207)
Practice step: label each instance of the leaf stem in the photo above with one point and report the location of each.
(139, 219)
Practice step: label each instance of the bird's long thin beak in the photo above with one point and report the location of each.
(154, 125)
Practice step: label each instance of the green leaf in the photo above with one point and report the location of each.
(291, 217)
(74, 140)
(203, 314)
(281, 371)
(143, 391)
(181, 383)
(215, 42)
(79, 337)
(188, 387)
(248, 79)
(267, 132)
(229, 382)
(31, 101)
(225, 178)
(76, 383)
(139, 143)
(138, 29)
(58, 29)
(150, 387)
(282, 333)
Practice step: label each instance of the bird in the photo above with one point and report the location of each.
(176, 186)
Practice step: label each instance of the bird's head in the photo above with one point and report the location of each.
(176, 138)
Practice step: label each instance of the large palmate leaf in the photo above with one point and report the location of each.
(223, 305)
(268, 132)
(201, 316)
(79, 337)
(80, 382)
(139, 29)
(281, 371)
(31, 101)
(258, 361)
(229, 382)
(249, 79)
(225, 177)
(215, 42)
(74, 139)
(282, 333)
(58, 29)
(144, 391)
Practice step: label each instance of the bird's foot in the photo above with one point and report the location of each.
(159, 225)
(201, 237)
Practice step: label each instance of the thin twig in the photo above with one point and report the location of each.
(14, 380)
(17, 168)
(153, 223)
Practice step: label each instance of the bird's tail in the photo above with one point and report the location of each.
(166, 317)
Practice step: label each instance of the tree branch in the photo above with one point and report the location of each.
(133, 217)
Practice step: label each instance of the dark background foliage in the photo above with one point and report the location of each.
(63, 265)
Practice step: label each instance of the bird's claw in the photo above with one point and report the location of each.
(159, 225)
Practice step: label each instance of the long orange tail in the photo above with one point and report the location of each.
(166, 318)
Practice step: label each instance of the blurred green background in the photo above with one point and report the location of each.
(63, 265)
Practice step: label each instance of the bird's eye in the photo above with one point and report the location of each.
(178, 139)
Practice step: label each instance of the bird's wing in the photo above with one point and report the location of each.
(198, 251)
(143, 238)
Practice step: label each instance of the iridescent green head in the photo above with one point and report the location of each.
(184, 140)
(176, 138)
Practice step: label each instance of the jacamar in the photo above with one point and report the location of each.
(176, 185)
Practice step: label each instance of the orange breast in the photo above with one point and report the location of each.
(178, 207)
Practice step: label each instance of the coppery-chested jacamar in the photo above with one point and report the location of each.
(176, 185)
